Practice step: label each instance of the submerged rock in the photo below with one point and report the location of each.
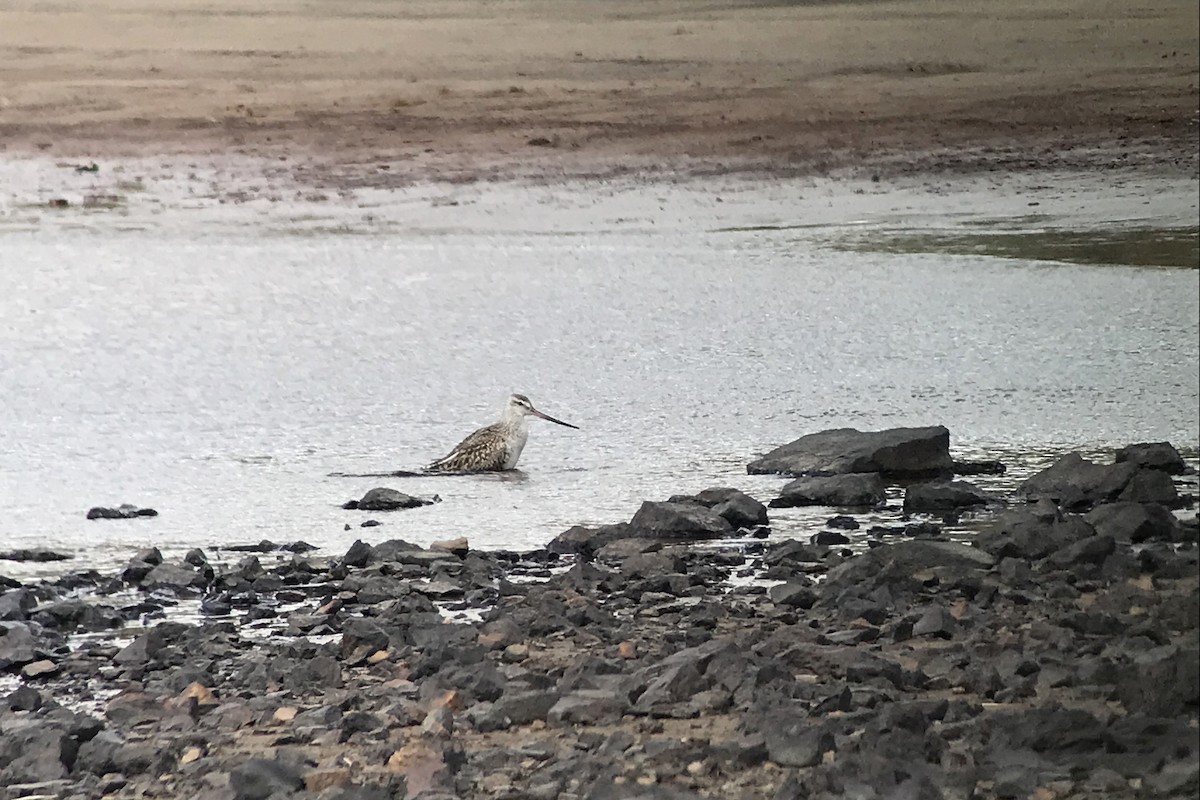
(896, 452)
(123, 511)
(382, 498)
(944, 496)
(864, 490)
(37, 555)
(979, 467)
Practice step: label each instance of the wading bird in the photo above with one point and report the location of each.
(498, 446)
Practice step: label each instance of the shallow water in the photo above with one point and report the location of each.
(218, 362)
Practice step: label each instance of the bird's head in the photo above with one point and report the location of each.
(520, 406)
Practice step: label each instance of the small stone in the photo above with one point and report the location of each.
(202, 694)
(320, 780)
(24, 698)
(284, 714)
(439, 722)
(191, 754)
(936, 621)
(826, 538)
(458, 546)
(422, 765)
(39, 669)
(627, 649)
(451, 699)
(515, 653)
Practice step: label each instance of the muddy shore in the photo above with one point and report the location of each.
(682, 654)
(362, 92)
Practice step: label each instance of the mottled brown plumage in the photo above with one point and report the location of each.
(496, 447)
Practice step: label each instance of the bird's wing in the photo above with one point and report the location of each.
(482, 451)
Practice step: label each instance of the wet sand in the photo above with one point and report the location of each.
(449, 89)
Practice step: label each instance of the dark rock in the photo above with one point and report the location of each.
(795, 594)
(260, 778)
(897, 452)
(1177, 778)
(979, 468)
(16, 604)
(904, 559)
(36, 555)
(172, 578)
(944, 496)
(1075, 483)
(677, 521)
(1150, 486)
(1052, 730)
(737, 508)
(924, 528)
(791, 551)
(643, 552)
(24, 698)
(17, 645)
(1134, 522)
(1023, 534)
(826, 538)
(652, 564)
(866, 490)
(1091, 550)
(384, 499)
(146, 648)
(588, 707)
(1153, 455)
(517, 708)
(1162, 682)
(77, 614)
(263, 546)
(936, 621)
(106, 752)
(400, 551)
(249, 568)
(123, 511)
(140, 565)
(32, 751)
(842, 522)
(674, 684)
(36, 670)
(358, 555)
(798, 744)
(358, 722)
(586, 540)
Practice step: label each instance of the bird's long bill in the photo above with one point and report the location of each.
(549, 418)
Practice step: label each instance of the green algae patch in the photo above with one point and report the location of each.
(1137, 247)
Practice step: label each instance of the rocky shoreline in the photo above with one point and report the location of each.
(685, 653)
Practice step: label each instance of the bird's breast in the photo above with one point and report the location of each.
(515, 444)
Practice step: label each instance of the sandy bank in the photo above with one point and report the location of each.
(534, 88)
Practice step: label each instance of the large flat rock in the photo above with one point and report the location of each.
(896, 452)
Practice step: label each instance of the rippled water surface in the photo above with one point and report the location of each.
(218, 366)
